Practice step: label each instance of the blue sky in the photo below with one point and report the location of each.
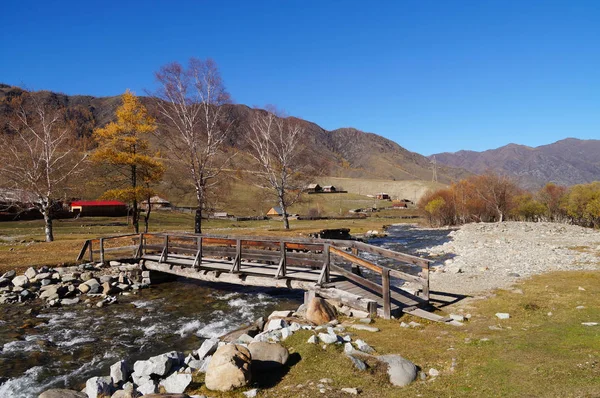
(433, 76)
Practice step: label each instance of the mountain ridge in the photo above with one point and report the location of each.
(567, 162)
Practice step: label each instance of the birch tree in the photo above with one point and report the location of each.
(40, 154)
(278, 151)
(189, 103)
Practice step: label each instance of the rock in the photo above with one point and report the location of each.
(176, 383)
(433, 372)
(358, 364)
(120, 372)
(114, 263)
(251, 393)
(30, 273)
(401, 371)
(457, 317)
(267, 355)
(366, 321)
(62, 393)
(41, 276)
(589, 323)
(285, 333)
(312, 339)
(351, 391)
(158, 365)
(98, 386)
(70, 301)
(245, 339)
(320, 311)
(21, 281)
(197, 364)
(275, 324)
(579, 307)
(125, 394)
(364, 347)
(229, 368)
(502, 315)
(365, 328)
(50, 293)
(208, 347)
(10, 275)
(328, 338)
(83, 288)
(148, 387)
(107, 288)
(280, 314)
(348, 349)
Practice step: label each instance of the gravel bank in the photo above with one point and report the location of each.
(490, 256)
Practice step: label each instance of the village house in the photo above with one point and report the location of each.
(157, 203)
(329, 188)
(383, 196)
(313, 188)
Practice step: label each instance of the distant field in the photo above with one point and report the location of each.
(22, 242)
(405, 189)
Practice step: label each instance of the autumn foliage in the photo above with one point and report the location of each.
(124, 149)
(494, 198)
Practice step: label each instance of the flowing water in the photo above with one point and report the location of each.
(63, 347)
(43, 348)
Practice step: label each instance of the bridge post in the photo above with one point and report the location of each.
(164, 255)
(425, 275)
(281, 270)
(102, 251)
(385, 291)
(140, 250)
(324, 276)
(198, 259)
(237, 262)
(91, 252)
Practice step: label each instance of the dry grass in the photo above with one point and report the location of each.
(532, 355)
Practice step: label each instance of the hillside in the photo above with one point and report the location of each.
(344, 152)
(566, 162)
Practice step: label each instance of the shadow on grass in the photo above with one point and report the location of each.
(268, 378)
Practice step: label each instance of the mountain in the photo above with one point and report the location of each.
(567, 162)
(345, 152)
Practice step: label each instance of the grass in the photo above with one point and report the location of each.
(533, 354)
(22, 242)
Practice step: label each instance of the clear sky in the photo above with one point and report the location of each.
(433, 76)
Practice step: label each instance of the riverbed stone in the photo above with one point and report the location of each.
(70, 301)
(328, 338)
(229, 368)
(9, 274)
(267, 355)
(83, 288)
(319, 311)
(357, 363)
(30, 273)
(275, 324)
(176, 383)
(62, 393)
(208, 347)
(98, 387)
(21, 280)
(50, 294)
(42, 275)
(120, 372)
(400, 370)
(364, 347)
(280, 314)
(365, 328)
(149, 387)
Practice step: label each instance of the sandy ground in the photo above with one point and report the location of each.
(489, 256)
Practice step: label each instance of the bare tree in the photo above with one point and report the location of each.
(39, 154)
(194, 125)
(277, 149)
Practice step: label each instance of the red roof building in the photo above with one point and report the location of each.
(99, 208)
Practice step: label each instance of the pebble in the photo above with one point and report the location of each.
(502, 315)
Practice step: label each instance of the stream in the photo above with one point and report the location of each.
(42, 348)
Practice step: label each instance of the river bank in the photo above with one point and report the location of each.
(481, 257)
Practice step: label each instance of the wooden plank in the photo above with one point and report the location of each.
(359, 280)
(356, 260)
(406, 258)
(407, 277)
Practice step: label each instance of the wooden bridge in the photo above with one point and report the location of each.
(332, 269)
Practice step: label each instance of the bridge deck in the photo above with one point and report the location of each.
(331, 269)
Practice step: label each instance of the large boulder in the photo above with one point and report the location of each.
(62, 393)
(98, 387)
(320, 311)
(159, 365)
(401, 371)
(30, 273)
(9, 274)
(229, 368)
(267, 355)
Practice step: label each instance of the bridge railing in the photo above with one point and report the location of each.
(327, 256)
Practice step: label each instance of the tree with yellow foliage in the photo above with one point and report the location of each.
(123, 147)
